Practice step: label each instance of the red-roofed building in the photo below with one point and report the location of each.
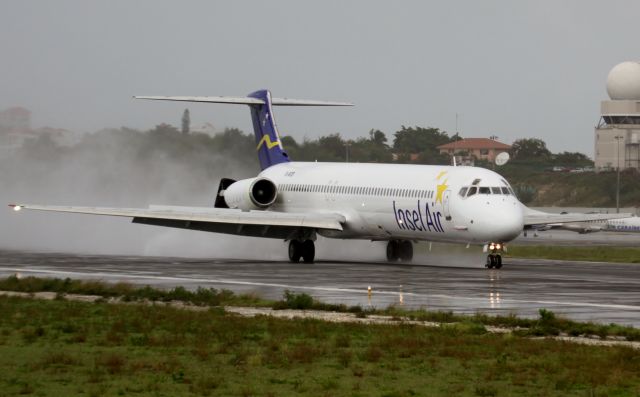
(15, 119)
(480, 148)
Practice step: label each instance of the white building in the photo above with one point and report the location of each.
(617, 136)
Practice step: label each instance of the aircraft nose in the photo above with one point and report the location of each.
(503, 222)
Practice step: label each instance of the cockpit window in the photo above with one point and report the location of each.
(463, 191)
(495, 190)
(472, 190)
(505, 190)
(484, 190)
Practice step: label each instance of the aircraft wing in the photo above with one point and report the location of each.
(534, 218)
(220, 220)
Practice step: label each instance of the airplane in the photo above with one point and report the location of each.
(627, 225)
(297, 201)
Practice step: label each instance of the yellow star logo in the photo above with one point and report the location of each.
(440, 175)
(441, 188)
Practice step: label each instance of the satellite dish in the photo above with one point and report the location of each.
(502, 158)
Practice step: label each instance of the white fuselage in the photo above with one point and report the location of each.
(397, 201)
(631, 224)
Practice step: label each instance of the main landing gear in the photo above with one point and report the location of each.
(494, 259)
(399, 250)
(302, 249)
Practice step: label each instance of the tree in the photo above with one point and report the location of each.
(421, 141)
(530, 149)
(164, 129)
(572, 159)
(378, 138)
(186, 122)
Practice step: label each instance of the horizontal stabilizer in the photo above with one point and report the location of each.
(244, 100)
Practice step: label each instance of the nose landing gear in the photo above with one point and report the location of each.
(494, 259)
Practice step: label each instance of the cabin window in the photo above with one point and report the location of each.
(495, 190)
(484, 190)
(463, 191)
(472, 190)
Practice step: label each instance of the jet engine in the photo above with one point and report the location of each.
(251, 194)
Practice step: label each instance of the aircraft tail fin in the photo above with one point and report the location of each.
(269, 147)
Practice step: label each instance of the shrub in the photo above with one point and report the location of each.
(291, 300)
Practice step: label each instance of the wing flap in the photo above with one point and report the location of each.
(205, 215)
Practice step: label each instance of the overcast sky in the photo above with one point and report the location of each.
(509, 68)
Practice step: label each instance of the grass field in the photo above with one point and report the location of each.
(66, 348)
(569, 253)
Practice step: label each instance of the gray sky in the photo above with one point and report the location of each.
(509, 68)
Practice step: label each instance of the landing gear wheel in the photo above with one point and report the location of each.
(295, 251)
(490, 262)
(393, 251)
(308, 251)
(406, 251)
(498, 261)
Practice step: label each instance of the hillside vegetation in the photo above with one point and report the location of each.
(165, 159)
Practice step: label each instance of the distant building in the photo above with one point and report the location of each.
(617, 135)
(206, 128)
(15, 119)
(474, 148)
(15, 129)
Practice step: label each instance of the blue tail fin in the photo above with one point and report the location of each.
(269, 148)
(268, 145)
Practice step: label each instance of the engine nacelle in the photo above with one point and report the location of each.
(251, 194)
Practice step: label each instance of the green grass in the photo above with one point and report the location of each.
(596, 254)
(547, 324)
(129, 292)
(63, 348)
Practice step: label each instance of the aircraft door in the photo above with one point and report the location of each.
(446, 201)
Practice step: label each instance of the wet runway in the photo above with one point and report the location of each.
(600, 292)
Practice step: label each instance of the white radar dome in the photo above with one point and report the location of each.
(623, 82)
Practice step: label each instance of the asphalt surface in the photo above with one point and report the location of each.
(600, 292)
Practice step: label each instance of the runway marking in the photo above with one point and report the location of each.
(312, 288)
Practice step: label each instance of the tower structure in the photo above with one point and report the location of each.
(617, 136)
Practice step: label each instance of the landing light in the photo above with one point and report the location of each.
(17, 208)
(492, 247)
(498, 246)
